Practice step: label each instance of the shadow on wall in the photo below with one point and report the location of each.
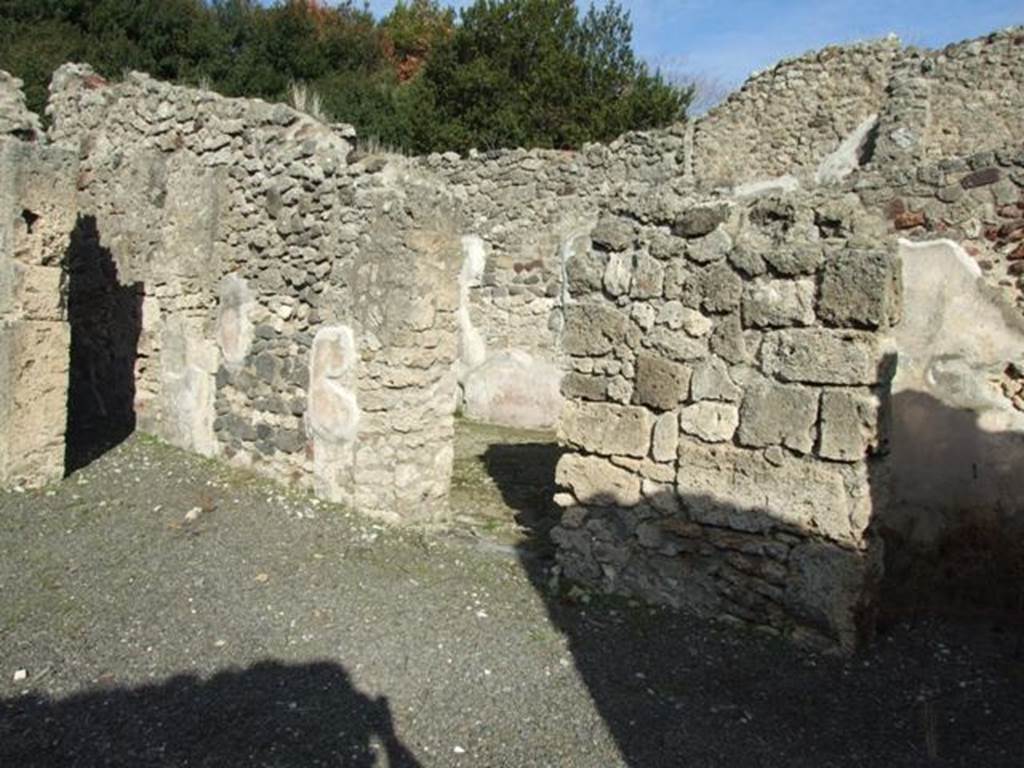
(673, 689)
(106, 321)
(964, 485)
(269, 714)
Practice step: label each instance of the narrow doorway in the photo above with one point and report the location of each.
(106, 321)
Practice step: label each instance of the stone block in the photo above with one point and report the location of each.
(608, 429)
(711, 381)
(727, 340)
(595, 481)
(612, 234)
(849, 424)
(676, 345)
(584, 272)
(823, 356)
(771, 303)
(593, 328)
(740, 489)
(710, 421)
(778, 414)
(721, 288)
(618, 274)
(666, 437)
(792, 260)
(584, 386)
(660, 384)
(860, 289)
(714, 247)
(699, 221)
(648, 278)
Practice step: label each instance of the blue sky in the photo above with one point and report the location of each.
(728, 39)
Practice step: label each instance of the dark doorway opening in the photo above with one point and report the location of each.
(106, 321)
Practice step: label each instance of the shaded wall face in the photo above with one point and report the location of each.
(106, 321)
(728, 372)
(958, 419)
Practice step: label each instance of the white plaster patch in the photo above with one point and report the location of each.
(780, 184)
(472, 347)
(234, 320)
(957, 441)
(333, 412)
(846, 158)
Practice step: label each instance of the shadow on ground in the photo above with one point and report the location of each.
(674, 690)
(271, 714)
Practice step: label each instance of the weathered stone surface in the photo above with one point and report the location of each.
(778, 414)
(584, 386)
(612, 234)
(849, 424)
(676, 345)
(660, 384)
(722, 288)
(699, 221)
(714, 247)
(710, 421)
(618, 275)
(607, 429)
(822, 356)
(594, 329)
(797, 259)
(597, 482)
(711, 381)
(648, 278)
(515, 390)
(860, 289)
(778, 303)
(739, 489)
(666, 437)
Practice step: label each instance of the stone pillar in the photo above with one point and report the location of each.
(37, 213)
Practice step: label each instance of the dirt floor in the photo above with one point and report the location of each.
(157, 609)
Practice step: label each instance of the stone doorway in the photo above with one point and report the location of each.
(105, 318)
(503, 483)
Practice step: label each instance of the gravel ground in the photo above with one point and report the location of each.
(273, 630)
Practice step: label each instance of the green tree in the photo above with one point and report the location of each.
(533, 73)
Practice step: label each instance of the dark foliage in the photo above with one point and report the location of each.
(506, 73)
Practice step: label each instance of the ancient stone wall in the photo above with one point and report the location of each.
(524, 215)
(724, 317)
(787, 120)
(298, 311)
(728, 377)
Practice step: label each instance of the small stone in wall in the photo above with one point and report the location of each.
(778, 303)
(711, 422)
(660, 384)
(699, 221)
(711, 381)
(714, 247)
(848, 424)
(612, 235)
(860, 289)
(778, 414)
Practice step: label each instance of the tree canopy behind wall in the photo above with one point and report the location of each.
(503, 73)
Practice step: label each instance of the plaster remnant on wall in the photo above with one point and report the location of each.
(234, 320)
(958, 440)
(188, 364)
(332, 413)
(472, 346)
(849, 155)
